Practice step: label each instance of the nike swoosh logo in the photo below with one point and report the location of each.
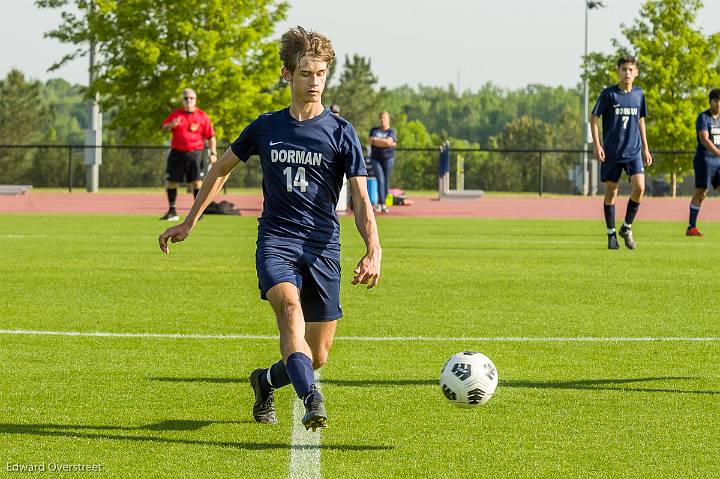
(273, 143)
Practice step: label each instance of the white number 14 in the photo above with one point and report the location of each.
(299, 179)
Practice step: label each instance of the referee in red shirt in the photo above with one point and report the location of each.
(190, 128)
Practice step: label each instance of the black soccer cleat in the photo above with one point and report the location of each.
(626, 234)
(171, 215)
(264, 407)
(613, 242)
(315, 416)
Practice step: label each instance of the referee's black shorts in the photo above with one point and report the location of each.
(184, 166)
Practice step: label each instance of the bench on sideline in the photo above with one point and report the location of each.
(14, 190)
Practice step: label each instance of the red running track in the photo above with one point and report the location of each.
(571, 207)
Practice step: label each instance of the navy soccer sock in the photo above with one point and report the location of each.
(632, 209)
(172, 196)
(300, 371)
(274, 377)
(609, 218)
(694, 211)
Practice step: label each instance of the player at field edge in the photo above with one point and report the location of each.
(190, 127)
(304, 152)
(707, 158)
(624, 146)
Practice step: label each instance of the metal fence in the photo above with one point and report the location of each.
(541, 171)
(122, 166)
(557, 171)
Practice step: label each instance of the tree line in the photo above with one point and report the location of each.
(149, 50)
(55, 112)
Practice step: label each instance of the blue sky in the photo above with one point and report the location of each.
(465, 42)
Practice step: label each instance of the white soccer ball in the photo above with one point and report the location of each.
(468, 379)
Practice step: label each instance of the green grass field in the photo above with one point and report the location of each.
(180, 407)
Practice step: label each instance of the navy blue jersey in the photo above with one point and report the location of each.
(303, 163)
(382, 153)
(621, 112)
(705, 122)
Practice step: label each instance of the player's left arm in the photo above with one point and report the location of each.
(368, 268)
(647, 157)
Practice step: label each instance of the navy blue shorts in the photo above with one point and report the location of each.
(612, 170)
(315, 275)
(707, 172)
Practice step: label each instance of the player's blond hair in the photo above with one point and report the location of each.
(298, 42)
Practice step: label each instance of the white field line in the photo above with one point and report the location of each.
(519, 339)
(474, 244)
(304, 445)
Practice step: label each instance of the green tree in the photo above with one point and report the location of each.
(520, 171)
(355, 92)
(69, 107)
(24, 116)
(413, 169)
(24, 119)
(678, 65)
(150, 49)
(478, 116)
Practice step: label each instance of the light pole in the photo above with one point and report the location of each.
(93, 134)
(589, 184)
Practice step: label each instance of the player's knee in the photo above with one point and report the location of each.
(319, 359)
(292, 309)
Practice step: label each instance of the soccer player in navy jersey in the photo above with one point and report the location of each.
(707, 158)
(624, 146)
(304, 151)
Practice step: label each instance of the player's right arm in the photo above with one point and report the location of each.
(597, 147)
(215, 179)
(598, 111)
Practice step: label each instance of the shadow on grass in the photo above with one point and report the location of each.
(609, 385)
(170, 425)
(200, 380)
(579, 384)
(78, 431)
(336, 382)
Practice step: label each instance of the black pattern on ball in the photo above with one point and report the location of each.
(448, 393)
(462, 371)
(475, 396)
